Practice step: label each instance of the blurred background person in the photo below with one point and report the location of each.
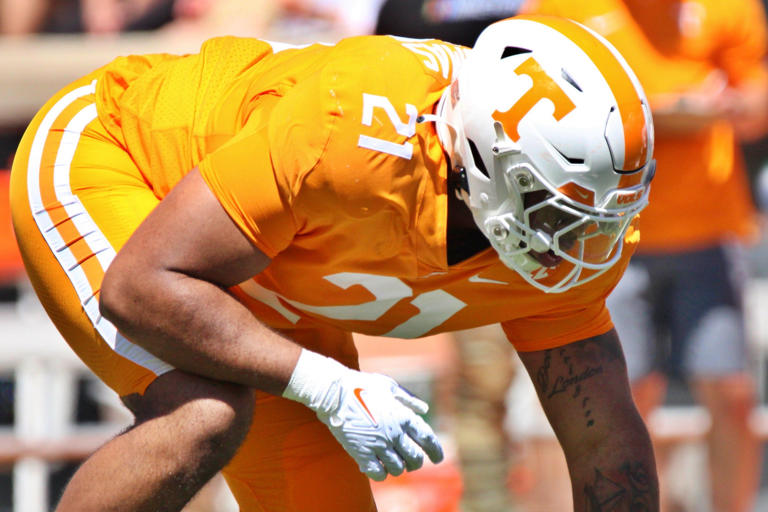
(198, 18)
(485, 368)
(457, 21)
(679, 306)
(18, 18)
(82, 16)
(348, 17)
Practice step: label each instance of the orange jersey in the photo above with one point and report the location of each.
(700, 194)
(318, 155)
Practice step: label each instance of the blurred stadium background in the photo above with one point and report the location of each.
(53, 413)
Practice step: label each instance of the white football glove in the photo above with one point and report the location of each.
(375, 420)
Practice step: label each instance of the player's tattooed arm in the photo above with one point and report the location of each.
(585, 393)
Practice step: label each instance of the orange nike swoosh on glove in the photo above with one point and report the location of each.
(357, 392)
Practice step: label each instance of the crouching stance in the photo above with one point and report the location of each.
(207, 231)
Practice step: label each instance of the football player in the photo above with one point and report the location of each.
(208, 230)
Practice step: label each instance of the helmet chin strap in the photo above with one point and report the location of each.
(442, 125)
(446, 133)
(434, 118)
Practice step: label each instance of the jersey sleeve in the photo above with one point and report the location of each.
(259, 175)
(242, 176)
(554, 330)
(335, 147)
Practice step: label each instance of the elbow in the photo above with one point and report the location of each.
(115, 297)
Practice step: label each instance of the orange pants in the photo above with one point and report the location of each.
(76, 197)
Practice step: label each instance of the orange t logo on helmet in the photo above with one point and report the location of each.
(543, 87)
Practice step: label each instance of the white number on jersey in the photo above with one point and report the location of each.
(435, 307)
(371, 102)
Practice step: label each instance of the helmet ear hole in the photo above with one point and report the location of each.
(477, 158)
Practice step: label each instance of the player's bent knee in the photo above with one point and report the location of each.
(212, 416)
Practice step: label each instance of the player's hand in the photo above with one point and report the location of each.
(373, 418)
(378, 424)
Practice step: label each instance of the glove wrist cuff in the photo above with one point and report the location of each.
(315, 381)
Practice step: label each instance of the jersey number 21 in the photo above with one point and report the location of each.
(407, 128)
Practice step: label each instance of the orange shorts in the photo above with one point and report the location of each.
(76, 197)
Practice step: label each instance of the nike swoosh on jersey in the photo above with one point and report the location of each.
(357, 392)
(477, 279)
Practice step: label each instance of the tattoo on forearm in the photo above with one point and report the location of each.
(631, 490)
(542, 375)
(562, 384)
(587, 412)
(578, 363)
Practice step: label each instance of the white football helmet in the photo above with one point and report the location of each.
(554, 134)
